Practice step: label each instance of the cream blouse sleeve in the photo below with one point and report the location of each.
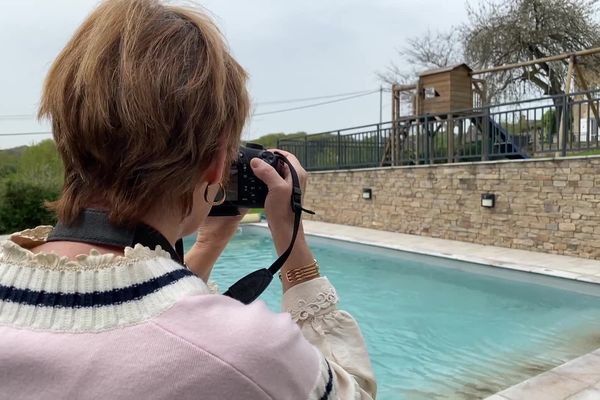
(335, 334)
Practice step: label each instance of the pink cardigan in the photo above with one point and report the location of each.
(140, 326)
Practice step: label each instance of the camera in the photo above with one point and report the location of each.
(244, 189)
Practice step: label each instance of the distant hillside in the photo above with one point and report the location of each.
(15, 150)
(38, 163)
(9, 160)
(270, 140)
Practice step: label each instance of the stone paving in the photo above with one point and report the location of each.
(578, 379)
(535, 262)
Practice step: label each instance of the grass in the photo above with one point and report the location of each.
(586, 153)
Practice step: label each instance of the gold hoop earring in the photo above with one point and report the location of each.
(221, 196)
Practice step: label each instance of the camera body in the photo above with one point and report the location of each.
(244, 189)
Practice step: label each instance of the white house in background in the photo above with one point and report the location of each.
(585, 121)
(585, 125)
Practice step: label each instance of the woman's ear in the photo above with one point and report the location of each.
(215, 171)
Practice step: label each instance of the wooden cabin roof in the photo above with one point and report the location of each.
(445, 69)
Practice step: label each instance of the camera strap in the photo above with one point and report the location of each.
(93, 226)
(254, 284)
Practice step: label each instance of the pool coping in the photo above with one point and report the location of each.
(559, 266)
(577, 379)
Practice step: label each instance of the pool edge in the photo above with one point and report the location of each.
(566, 381)
(528, 266)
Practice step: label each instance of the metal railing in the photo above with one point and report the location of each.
(559, 125)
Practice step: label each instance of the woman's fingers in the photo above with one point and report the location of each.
(267, 174)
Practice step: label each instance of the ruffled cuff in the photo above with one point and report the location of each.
(310, 299)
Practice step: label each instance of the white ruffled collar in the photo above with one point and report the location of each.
(16, 250)
(40, 290)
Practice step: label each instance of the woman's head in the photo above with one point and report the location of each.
(143, 99)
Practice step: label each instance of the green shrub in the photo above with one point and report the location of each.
(549, 126)
(22, 205)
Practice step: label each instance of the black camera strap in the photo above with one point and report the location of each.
(93, 226)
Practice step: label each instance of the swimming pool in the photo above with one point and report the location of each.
(435, 329)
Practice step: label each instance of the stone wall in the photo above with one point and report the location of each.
(549, 205)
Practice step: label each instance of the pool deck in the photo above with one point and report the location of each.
(578, 379)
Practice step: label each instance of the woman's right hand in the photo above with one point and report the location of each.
(280, 215)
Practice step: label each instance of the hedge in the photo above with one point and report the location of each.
(22, 205)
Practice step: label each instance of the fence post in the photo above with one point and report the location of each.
(565, 125)
(403, 142)
(417, 141)
(429, 133)
(378, 144)
(339, 150)
(450, 138)
(485, 135)
(305, 161)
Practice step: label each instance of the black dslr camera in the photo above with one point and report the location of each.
(244, 189)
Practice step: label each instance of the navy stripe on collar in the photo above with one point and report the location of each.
(93, 299)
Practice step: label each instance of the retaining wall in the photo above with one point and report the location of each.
(548, 205)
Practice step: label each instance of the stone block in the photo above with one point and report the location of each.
(567, 227)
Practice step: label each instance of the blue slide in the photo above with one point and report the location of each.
(500, 140)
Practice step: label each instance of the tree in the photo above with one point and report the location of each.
(41, 164)
(429, 51)
(9, 158)
(502, 32)
(30, 176)
(23, 205)
(549, 126)
(512, 31)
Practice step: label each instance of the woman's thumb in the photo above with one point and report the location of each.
(265, 172)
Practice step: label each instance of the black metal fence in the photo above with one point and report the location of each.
(560, 125)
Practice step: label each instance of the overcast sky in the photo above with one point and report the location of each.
(291, 49)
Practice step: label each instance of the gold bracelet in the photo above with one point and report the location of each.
(301, 274)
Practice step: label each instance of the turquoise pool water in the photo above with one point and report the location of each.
(435, 332)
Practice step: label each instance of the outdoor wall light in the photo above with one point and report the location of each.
(488, 200)
(367, 194)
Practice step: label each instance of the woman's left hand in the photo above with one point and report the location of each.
(213, 235)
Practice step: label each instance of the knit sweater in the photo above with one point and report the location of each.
(141, 326)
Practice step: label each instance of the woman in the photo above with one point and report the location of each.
(147, 108)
